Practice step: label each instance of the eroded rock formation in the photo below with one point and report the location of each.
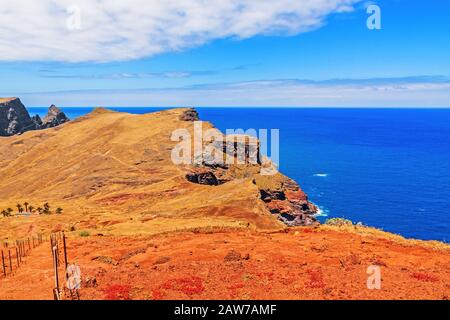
(284, 197)
(203, 177)
(281, 195)
(55, 117)
(15, 119)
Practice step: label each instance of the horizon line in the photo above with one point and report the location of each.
(249, 107)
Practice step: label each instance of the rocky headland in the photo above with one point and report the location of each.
(123, 161)
(15, 119)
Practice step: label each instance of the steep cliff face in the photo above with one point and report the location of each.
(281, 195)
(15, 119)
(284, 197)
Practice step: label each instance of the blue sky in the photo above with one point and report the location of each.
(333, 61)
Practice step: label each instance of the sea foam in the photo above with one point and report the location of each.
(321, 175)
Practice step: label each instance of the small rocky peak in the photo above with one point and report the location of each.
(55, 117)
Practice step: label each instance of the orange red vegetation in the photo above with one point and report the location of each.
(424, 277)
(117, 292)
(300, 263)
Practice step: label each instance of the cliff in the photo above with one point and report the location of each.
(110, 166)
(15, 119)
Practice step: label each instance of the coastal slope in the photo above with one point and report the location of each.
(141, 227)
(112, 173)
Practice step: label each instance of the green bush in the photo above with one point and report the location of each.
(339, 222)
(84, 234)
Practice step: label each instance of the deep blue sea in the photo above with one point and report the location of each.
(387, 168)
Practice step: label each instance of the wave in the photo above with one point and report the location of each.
(322, 212)
(321, 175)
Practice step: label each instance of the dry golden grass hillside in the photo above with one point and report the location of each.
(112, 173)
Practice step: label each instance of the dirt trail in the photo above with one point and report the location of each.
(33, 280)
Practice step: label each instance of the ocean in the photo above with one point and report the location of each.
(386, 168)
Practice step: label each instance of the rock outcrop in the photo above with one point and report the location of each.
(243, 148)
(15, 119)
(284, 197)
(190, 115)
(54, 118)
(203, 177)
(281, 195)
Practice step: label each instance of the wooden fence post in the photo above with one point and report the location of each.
(65, 254)
(56, 292)
(10, 260)
(17, 257)
(18, 248)
(3, 264)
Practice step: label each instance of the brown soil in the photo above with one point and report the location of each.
(302, 263)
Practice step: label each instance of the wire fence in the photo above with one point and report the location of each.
(67, 279)
(13, 253)
(64, 273)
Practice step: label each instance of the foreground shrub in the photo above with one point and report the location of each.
(189, 285)
(424, 277)
(117, 292)
(84, 234)
(315, 280)
(339, 222)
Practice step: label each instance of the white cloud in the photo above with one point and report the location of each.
(377, 92)
(114, 30)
